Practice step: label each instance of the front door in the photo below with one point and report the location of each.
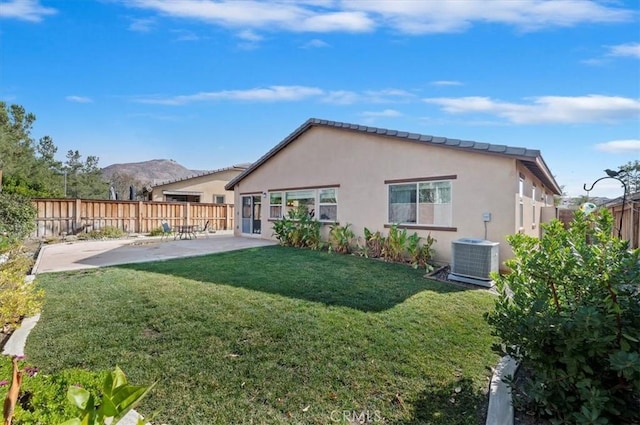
(251, 214)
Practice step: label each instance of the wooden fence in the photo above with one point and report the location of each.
(630, 221)
(60, 217)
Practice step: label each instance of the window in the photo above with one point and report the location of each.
(425, 203)
(521, 206)
(275, 205)
(533, 201)
(321, 204)
(218, 199)
(301, 198)
(327, 205)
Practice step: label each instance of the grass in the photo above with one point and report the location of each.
(275, 336)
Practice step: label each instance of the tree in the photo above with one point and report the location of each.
(630, 174)
(122, 182)
(84, 179)
(28, 169)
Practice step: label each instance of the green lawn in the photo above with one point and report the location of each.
(275, 335)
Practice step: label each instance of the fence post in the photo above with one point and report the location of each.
(228, 216)
(187, 214)
(77, 217)
(138, 225)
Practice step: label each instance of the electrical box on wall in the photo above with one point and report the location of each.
(486, 216)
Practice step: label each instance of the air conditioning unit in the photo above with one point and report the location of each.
(473, 260)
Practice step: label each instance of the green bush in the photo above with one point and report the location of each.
(570, 312)
(158, 231)
(43, 397)
(395, 245)
(373, 243)
(17, 297)
(108, 232)
(340, 238)
(298, 229)
(420, 255)
(17, 217)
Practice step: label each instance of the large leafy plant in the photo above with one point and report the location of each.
(298, 229)
(118, 398)
(570, 312)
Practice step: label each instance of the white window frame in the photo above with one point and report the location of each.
(280, 205)
(316, 202)
(417, 184)
(533, 203)
(319, 203)
(521, 205)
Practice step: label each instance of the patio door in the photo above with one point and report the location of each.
(251, 214)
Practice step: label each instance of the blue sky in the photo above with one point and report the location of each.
(214, 83)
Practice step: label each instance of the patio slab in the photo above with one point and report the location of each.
(91, 254)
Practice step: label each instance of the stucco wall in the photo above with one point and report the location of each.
(208, 185)
(360, 164)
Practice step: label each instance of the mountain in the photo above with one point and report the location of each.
(150, 172)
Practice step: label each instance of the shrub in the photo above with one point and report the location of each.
(420, 255)
(17, 217)
(43, 397)
(340, 238)
(395, 245)
(373, 243)
(158, 231)
(570, 312)
(107, 232)
(17, 297)
(54, 399)
(298, 229)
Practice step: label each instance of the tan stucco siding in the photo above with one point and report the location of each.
(207, 186)
(360, 164)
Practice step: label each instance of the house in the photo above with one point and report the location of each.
(373, 177)
(206, 187)
(626, 221)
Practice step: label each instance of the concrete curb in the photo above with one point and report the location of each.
(500, 410)
(15, 343)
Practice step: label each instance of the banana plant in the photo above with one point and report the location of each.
(118, 398)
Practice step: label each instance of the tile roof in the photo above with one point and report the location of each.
(239, 167)
(531, 158)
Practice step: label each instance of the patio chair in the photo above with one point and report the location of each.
(166, 231)
(204, 230)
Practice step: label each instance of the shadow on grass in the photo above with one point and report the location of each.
(332, 279)
(458, 402)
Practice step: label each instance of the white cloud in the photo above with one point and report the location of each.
(249, 35)
(186, 35)
(315, 44)
(26, 10)
(387, 113)
(141, 24)
(406, 16)
(342, 97)
(446, 83)
(284, 15)
(627, 49)
(546, 109)
(268, 94)
(620, 146)
(79, 99)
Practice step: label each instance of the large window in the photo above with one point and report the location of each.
(422, 203)
(321, 204)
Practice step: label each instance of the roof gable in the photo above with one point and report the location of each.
(240, 167)
(531, 158)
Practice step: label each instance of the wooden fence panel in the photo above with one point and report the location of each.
(59, 217)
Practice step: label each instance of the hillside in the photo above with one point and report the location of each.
(150, 172)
